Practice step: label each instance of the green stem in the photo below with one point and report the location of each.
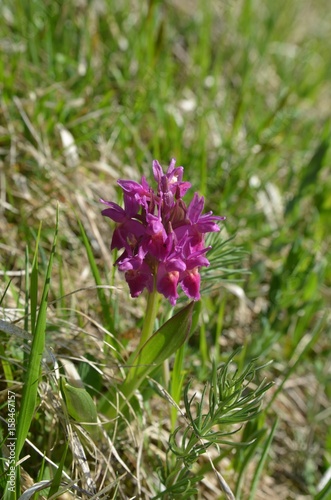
(151, 312)
(146, 333)
(131, 383)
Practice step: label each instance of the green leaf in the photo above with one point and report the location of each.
(159, 347)
(177, 375)
(177, 380)
(80, 405)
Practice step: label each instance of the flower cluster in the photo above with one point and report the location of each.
(162, 238)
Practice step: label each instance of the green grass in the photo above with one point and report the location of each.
(239, 94)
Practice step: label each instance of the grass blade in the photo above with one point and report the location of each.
(30, 388)
(56, 483)
(34, 286)
(262, 460)
(325, 493)
(105, 305)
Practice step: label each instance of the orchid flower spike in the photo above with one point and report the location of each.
(163, 239)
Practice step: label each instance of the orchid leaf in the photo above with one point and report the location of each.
(80, 406)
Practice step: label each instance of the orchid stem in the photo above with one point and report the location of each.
(151, 312)
(132, 382)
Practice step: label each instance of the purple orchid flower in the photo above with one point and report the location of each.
(162, 237)
(128, 230)
(138, 274)
(172, 180)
